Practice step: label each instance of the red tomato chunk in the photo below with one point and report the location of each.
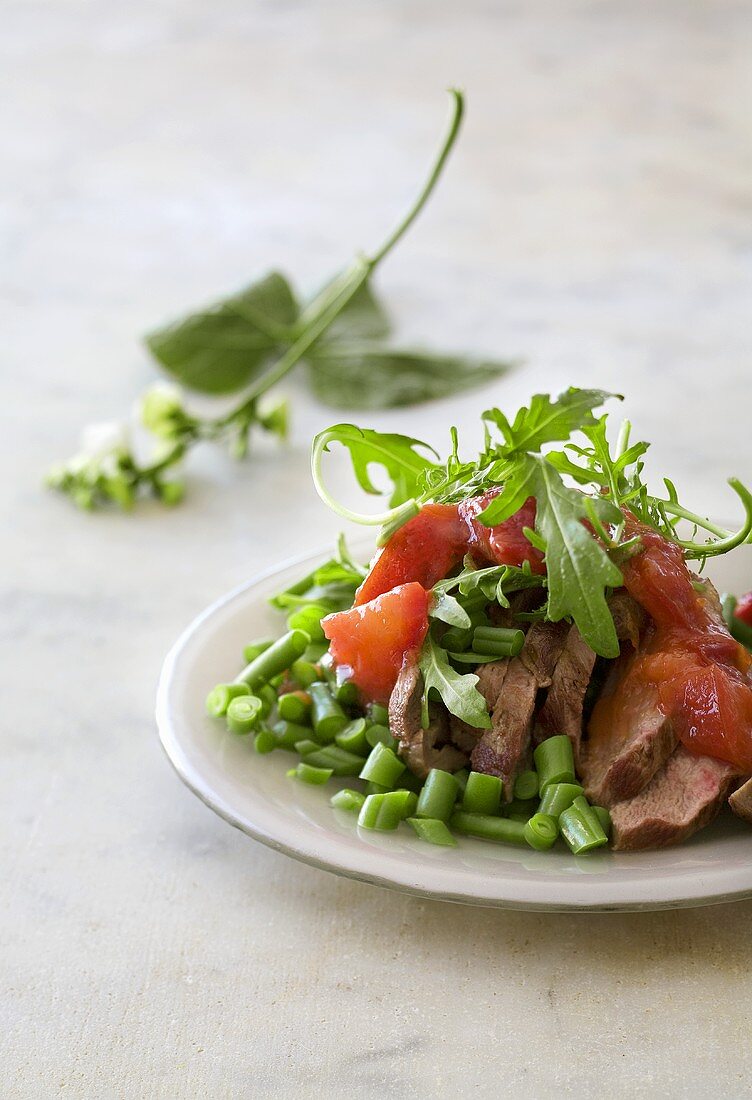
(701, 674)
(743, 609)
(374, 639)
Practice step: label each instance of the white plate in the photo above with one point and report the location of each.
(253, 793)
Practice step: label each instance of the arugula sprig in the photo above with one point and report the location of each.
(249, 342)
(579, 527)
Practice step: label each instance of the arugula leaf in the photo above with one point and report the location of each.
(547, 420)
(578, 567)
(362, 376)
(449, 610)
(457, 690)
(222, 348)
(346, 560)
(494, 581)
(397, 455)
(332, 584)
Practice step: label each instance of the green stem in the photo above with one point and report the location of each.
(324, 310)
(458, 108)
(726, 540)
(358, 273)
(173, 455)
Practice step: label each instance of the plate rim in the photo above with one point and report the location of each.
(180, 762)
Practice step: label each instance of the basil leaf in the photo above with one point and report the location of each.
(363, 318)
(457, 690)
(395, 453)
(361, 376)
(222, 348)
(547, 420)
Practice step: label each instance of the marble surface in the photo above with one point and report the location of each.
(596, 221)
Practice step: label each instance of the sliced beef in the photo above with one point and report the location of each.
(542, 649)
(685, 795)
(490, 681)
(562, 710)
(421, 749)
(629, 739)
(629, 618)
(491, 678)
(741, 801)
(504, 748)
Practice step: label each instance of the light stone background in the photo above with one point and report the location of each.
(597, 220)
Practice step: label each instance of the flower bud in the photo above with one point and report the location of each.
(161, 409)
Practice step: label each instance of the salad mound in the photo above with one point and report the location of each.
(529, 654)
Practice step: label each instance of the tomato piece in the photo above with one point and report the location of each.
(505, 543)
(425, 549)
(743, 609)
(658, 579)
(712, 712)
(701, 674)
(374, 639)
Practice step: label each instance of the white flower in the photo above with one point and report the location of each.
(110, 437)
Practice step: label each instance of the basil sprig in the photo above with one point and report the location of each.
(248, 342)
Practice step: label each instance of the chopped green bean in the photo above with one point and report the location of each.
(304, 673)
(295, 706)
(219, 698)
(347, 694)
(309, 619)
(489, 827)
(381, 812)
(288, 734)
(264, 741)
(376, 788)
(310, 774)
(432, 831)
(581, 828)
(353, 737)
(438, 796)
(382, 766)
(243, 713)
(348, 800)
(328, 717)
(253, 649)
(331, 756)
(558, 797)
(526, 785)
(268, 697)
(274, 660)
(406, 801)
(541, 832)
(380, 734)
(457, 638)
(554, 761)
(482, 794)
(328, 673)
(378, 715)
(497, 641)
(604, 818)
(315, 651)
(306, 747)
